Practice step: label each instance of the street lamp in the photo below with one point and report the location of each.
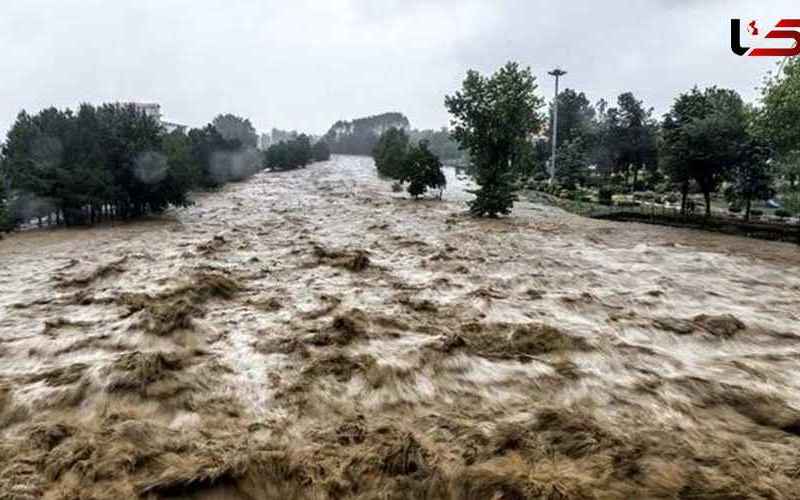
(556, 73)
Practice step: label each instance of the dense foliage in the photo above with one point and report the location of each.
(439, 143)
(113, 161)
(703, 134)
(422, 170)
(493, 118)
(777, 123)
(751, 177)
(235, 128)
(98, 161)
(288, 155)
(390, 152)
(321, 151)
(397, 159)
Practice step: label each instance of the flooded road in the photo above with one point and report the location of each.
(310, 334)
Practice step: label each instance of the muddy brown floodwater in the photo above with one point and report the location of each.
(311, 334)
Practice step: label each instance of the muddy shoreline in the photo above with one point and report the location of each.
(310, 334)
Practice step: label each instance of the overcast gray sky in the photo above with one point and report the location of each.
(304, 64)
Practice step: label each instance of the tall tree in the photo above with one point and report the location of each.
(232, 127)
(703, 134)
(423, 170)
(572, 164)
(390, 153)
(321, 151)
(493, 118)
(636, 137)
(575, 117)
(778, 123)
(752, 176)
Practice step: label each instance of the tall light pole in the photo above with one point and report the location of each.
(556, 73)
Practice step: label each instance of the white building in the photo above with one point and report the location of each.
(153, 110)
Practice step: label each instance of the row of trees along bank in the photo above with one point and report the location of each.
(710, 142)
(115, 162)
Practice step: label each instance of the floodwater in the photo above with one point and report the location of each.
(311, 334)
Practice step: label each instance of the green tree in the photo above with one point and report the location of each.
(390, 153)
(422, 170)
(236, 128)
(493, 118)
(575, 117)
(321, 151)
(291, 154)
(778, 120)
(440, 143)
(778, 123)
(702, 137)
(207, 145)
(572, 164)
(635, 137)
(751, 177)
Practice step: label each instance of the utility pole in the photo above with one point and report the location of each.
(556, 73)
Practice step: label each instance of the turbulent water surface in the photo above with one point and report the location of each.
(311, 334)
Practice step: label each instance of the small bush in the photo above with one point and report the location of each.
(783, 213)
(673, 198)
(397, 187)
(604, 196)
(756, 213)
(734, 209)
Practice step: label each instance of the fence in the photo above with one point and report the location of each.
(668, 216)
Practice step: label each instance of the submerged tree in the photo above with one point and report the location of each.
(390, 153)
(422, 170)
(321, 151)
(493, 118)
(288, 155)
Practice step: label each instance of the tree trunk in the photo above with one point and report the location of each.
(684, 195)
(707, 197)
(747, 210)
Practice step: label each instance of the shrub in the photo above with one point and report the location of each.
(756, 213)
(605, 196)
(783, 213)
(734, 209)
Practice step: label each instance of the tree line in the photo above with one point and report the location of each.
(360, 136)
(295, 153)
(114, 162)
(709, 142)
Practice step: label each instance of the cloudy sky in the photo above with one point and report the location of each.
(304, 64)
